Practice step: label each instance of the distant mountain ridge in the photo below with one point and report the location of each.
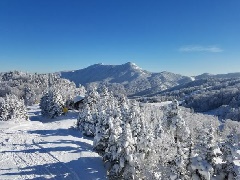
(134, 79)
(218, 76)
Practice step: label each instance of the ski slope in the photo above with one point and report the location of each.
(47, 149)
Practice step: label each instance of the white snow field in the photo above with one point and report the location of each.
(51, 149)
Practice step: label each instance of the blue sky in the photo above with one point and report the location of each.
(182, 36)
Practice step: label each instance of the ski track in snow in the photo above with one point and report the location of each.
(50, 150)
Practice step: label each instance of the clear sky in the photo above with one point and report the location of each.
(182, 36)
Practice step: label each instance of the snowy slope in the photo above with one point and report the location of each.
(135, 80)
(49, 150)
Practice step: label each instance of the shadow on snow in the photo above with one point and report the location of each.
(37, 116)
(67, 146)
(80, 169)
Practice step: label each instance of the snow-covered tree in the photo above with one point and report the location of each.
(135, 115)
(87, 118)
(123, 104)
(229, 152)
(11, 107)
(29, 96)
(203, 162)
(51, 103)
(102, 132)
(111, 155)
(125, 166)
(144, 155)
(178, 130)
(3, 110)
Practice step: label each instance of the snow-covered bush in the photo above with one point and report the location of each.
(51, 103)
(12, 107)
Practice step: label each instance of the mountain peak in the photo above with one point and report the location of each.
(129, 76)
(129, 63)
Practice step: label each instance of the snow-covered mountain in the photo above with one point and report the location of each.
(134, 79)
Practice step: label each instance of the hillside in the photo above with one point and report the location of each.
(218, 96)
(129, 76)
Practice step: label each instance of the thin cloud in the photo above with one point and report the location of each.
(192, 48)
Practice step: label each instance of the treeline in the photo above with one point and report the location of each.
(141, 141)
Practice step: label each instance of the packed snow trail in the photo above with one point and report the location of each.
(49, 150)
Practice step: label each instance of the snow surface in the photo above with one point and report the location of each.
(192, 78)
(51, 149)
